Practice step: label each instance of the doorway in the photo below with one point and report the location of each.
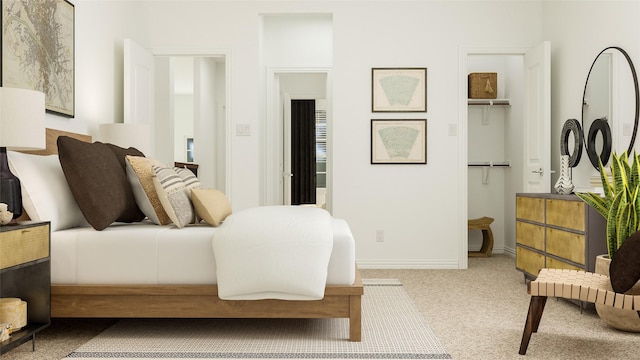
(289, 86)
(191, 106)
(514, 133)
(149, 92)
(303, 152)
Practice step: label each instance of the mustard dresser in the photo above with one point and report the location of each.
(557, 231)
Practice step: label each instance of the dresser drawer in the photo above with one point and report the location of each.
(530, 235)
(566, 214)
(529, 261)
(23, 245)
(554, 263)
(567, 245)
(530, 208)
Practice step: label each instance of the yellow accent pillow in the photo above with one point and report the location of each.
(140, 176)
(211, 205)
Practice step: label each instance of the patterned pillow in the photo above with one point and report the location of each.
(171, 191)
(98, 182)
(624, 270)
(211, 205)
(189, 179)
(140, 176)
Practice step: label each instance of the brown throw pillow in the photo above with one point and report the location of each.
(624, 270)
(98, 182)
(121, 153)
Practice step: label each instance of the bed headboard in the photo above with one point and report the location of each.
(52, 138)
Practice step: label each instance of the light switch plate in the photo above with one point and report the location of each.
(243, 130)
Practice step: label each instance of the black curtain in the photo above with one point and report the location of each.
(303, 152)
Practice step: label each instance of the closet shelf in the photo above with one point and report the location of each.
(489, 102)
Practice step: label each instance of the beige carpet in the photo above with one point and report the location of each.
(477, 313)
(392, 328)
(480, 313)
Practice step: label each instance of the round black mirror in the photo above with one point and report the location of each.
(610, 97)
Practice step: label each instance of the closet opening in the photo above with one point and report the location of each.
(494, 147)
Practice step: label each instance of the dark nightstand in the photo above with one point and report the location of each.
(25, 273)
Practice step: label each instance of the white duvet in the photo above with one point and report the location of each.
(273, 252)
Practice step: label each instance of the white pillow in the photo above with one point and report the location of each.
(45, 193)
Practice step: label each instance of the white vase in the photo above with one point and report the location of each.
(564, 186)
(621, 319)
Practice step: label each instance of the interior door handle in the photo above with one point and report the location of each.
(539, 171)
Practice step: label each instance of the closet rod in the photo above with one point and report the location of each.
(491, 164)
(488, 102)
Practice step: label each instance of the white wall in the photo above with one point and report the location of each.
(417, 206)
(183, 125)
(578, 32)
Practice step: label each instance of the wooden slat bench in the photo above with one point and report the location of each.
(575, 285)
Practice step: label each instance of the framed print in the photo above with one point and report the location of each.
(38, 50)
(399, 141)
(399, 89)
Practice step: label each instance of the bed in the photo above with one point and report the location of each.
(92, 277)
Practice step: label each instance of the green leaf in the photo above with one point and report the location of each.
(599, 203)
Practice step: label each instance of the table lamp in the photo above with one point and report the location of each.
(21, 128)
(126, 135)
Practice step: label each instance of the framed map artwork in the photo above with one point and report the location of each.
(399, 141)
(399, 90)
(38, 42)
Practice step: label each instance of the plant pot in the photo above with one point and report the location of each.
(621, 319)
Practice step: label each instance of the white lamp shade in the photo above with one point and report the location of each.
(126, 135)
(22, 119)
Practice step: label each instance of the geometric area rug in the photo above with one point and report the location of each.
(392, 328)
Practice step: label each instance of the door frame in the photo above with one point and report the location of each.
(465, 52)
(273, 134)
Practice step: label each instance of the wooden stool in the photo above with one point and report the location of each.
(487, 236)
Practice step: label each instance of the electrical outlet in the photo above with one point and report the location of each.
(379, 235)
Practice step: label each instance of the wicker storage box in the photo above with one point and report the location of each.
(483, 85)
(13, 311)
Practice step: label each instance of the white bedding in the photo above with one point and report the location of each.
(145, 253)
(273, 252)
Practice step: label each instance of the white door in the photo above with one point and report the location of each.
(537, 119)
(138, 86)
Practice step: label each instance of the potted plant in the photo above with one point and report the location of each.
(620, 206)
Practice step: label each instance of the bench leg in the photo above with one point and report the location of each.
(536, 307)
(487, 242)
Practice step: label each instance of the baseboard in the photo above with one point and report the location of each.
(422, 264)
(408, 264)
(509, 251)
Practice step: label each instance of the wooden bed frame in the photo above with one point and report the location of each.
(193, 301)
